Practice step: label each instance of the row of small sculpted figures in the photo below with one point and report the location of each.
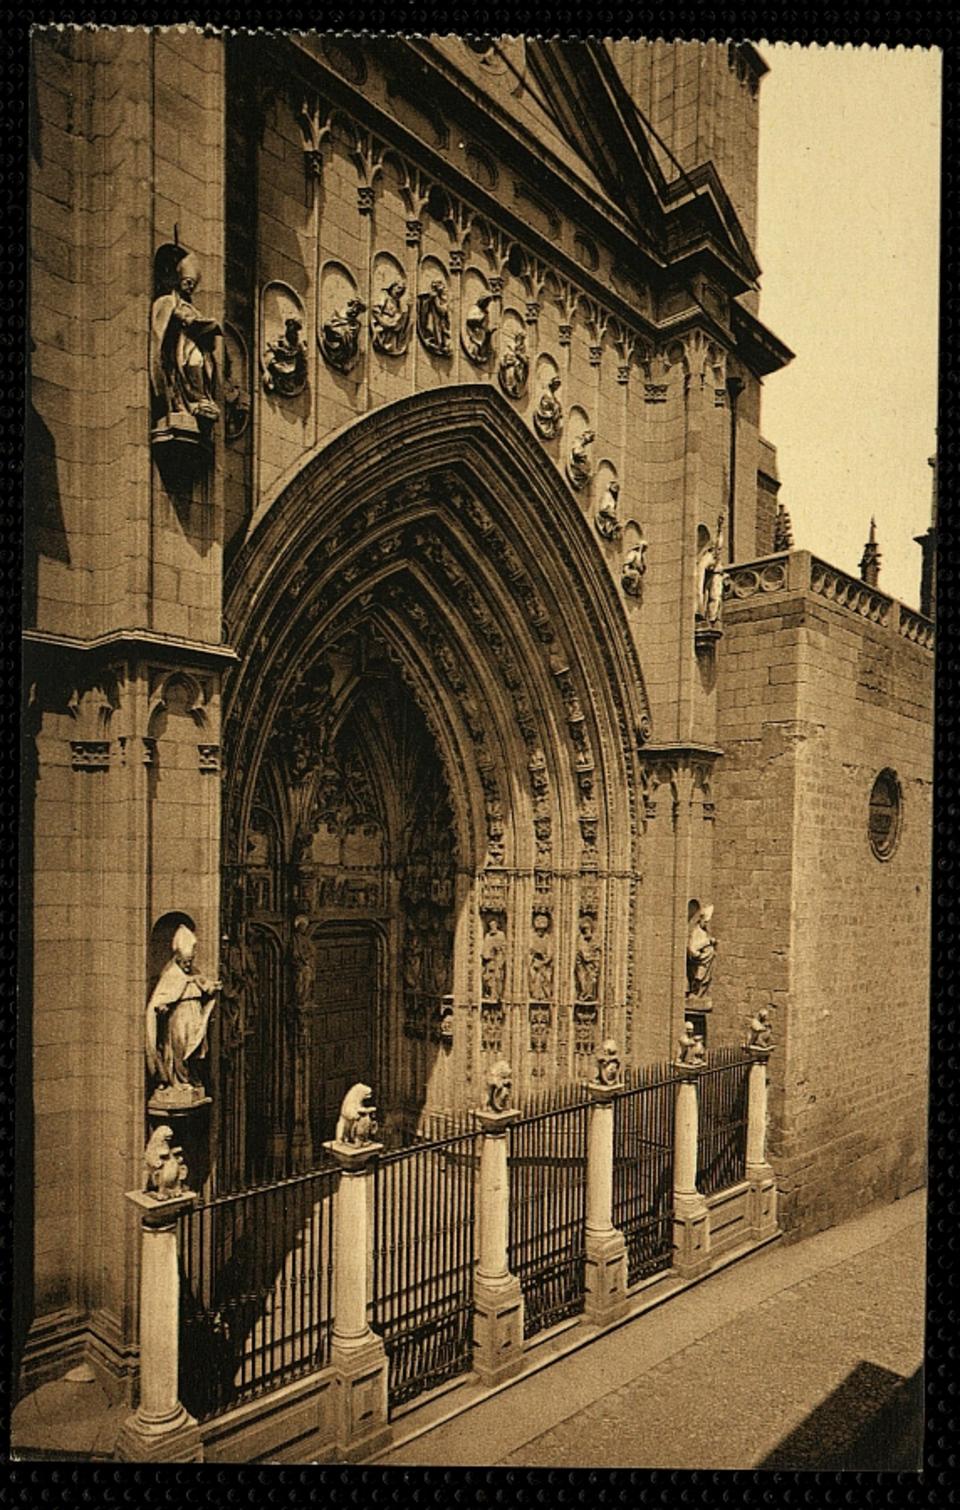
(691, 1050)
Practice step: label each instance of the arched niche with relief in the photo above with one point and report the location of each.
(391, 307)
(433, 314)
(513, 366)
(633, 567)
(284, 363)
(235, 383)
(606, 516)
(548, 416)
(340, 318)
(479, 318)
(579, 448)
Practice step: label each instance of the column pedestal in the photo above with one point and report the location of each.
(606, 1248)
(160, 1429)
(497, 1296)
(762, 1196)
(691, 1216)
(357, 1355)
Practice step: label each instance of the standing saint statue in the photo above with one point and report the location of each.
(540, 982)
(183, 370)
(701, 953)
(587, 966)
(176, 1025)
(390, 320)
(493, 956)
(710, 577)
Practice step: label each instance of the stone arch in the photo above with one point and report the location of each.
(438, 532)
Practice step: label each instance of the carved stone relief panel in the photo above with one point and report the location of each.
(283, 352)
(340, 318)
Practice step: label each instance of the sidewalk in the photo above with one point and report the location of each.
(725, 1373)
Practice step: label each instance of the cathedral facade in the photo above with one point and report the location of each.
(411, 621)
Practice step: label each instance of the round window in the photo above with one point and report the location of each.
(886, 805)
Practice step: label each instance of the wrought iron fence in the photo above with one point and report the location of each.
(643, 1144)
(423, 1262)
(255, 1291)
(547, 1166)
(722, 1141)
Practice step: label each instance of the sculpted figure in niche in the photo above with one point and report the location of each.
(183, 371)
(477, 331)
(540, 982)
(710, 577)
(587, 967)
(176, 1026)
(608, 525)
(357, 1122)
(340, 336)
(701, 953)
(499, 1086)
(304, 975)
(237, 975)
(433, 319)
(390, 320)
(493, 957)
(548, 415)
(164, 1172)
(579, 470)
(514, 367)
(634, 568)
(285, 361)
(690, 1049)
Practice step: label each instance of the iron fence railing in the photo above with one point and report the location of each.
(722, 1129)
(256, 1275)
(643, 1149)
(547, 1167)
(423, 1262)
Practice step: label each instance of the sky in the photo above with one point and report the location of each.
(848, 241)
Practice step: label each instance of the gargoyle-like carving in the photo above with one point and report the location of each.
(500, 1087)
(608, 1063)
(548, 415)
(164, 1172)
(761, 1034)
(690, 1049)
(357, 1122)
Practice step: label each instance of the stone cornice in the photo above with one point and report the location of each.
(680, 750)
(131, 644)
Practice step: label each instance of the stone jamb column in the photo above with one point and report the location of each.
(497, 1296)
(160, 1430)
(762, 1196)
(691, 1215)
(606, 1276)
(357, 1355)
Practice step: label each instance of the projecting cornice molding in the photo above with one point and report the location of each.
(131, 644)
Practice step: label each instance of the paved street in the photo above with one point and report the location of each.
(781, 1361)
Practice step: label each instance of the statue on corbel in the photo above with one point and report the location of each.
(176, 1026)
(710, 583)
(701, 951)
(183, 366)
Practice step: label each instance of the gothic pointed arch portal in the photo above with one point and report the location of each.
(432, 835)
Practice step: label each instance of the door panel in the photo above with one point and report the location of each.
(343, 1025)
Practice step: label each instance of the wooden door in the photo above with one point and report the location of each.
(344, 1025)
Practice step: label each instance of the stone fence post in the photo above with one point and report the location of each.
(691, 1216)
(606, 1249)
(762, 1197)
(497, 1296)
(160, 1429)
(357, 1355)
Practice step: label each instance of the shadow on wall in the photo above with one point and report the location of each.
(872, 1422)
